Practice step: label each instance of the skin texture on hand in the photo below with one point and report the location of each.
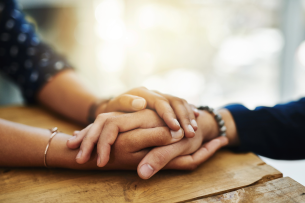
(173, 110)
(144, 144)
(126, 153)
(185, 154)
(106, 128)
(23, 146)
(170, 155)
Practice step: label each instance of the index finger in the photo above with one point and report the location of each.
(139, 139)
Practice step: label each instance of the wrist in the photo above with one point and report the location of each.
(96, 108)
(232, 134)
(101, 107)
(207, 125)
(60, 156)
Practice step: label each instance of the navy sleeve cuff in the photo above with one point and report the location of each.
(249, 124)
(275, 132)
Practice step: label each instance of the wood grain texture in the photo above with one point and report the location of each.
(283, 190)
(224, 172)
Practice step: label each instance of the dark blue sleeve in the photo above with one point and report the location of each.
(23, 57)
(276, 132)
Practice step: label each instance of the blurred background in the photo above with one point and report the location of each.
(210, 52)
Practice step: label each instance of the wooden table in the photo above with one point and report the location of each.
(226, 177)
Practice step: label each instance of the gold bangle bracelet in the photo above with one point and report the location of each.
(54, 131)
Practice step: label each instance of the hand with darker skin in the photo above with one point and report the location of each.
(131, 148)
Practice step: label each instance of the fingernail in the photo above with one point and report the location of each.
(79, 154)
(196, 110)
(75, 132)
(177, 134)
(177, 122)
(146, 170)
(98, 160)
(138, 103)
(72, 138)
(190, 128)
(194, 123)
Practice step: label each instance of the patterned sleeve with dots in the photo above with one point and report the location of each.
(23, 57)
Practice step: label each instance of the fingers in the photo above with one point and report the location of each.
(139, 139)
(156, 159)
(160, 104)
(77, 138)
(169, 156)
(91, 137)
(123, 123)
(195, 110)
(191, 116)
(183, 113)
(170, 108)
(126, 103)
(191, 162)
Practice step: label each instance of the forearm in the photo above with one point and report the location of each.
(66, 95)
(210, 127)
(24, 146)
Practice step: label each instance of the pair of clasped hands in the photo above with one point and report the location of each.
(148, 131)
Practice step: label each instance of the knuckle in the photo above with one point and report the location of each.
(191, 115)
(162, 136)
(161, 100)
(185, 118)
(138, 89)
(88, 140)
(149, 113)
(157, 92)
(143, 88)
(184, 101)
(101, 117)
(122, 98)
(178, 101)
(161, 157)
(110, 120)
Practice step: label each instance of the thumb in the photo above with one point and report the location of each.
(127, 103)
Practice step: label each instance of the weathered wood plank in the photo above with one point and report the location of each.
(224, 172)
(283, 190)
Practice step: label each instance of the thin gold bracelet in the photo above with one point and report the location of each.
(54, 131)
